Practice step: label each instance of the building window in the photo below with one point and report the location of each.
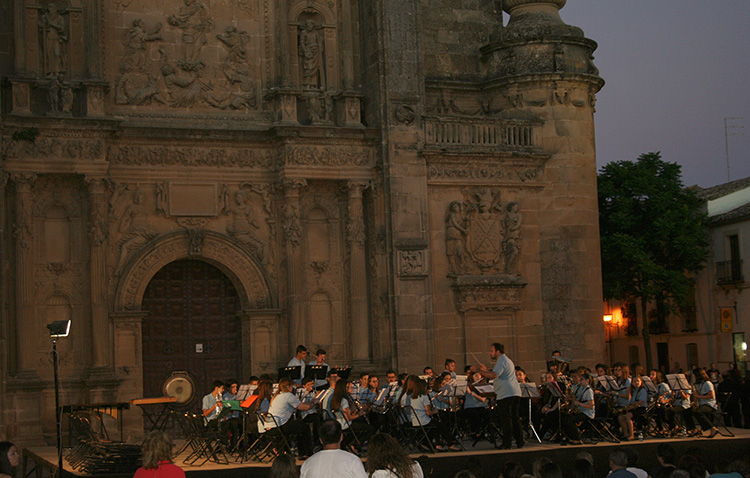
(729, 272)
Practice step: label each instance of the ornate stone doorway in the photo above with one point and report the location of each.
(192, 325)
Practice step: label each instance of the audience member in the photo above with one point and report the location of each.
(332, 461)
(284, 466)
(9, 459)
(633, 462)
(582, 468)
(386, 458)
(550, 470)
(618, 462)
(512, 469)
(157, 458)
(665, 454)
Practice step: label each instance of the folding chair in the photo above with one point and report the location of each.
(415, 434)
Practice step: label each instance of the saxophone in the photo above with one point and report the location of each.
(568, 406)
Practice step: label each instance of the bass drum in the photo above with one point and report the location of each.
(181, 386)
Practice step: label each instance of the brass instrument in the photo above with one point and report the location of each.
(568, 406)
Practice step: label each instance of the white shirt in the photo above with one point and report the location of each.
(416, 472)
(333, 464)
(282, 407)
(506, 383)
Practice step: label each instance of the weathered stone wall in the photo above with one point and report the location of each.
(363, 181)
(452, 34)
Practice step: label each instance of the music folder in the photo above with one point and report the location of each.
(342, 372)
(249, 401)
(678, 381)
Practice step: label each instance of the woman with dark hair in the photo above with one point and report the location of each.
(9, 459)
(347, 416)
(264, 393)
(157, 457)
(704, 392)
(386, 458)
(284, 466)
(582, 468)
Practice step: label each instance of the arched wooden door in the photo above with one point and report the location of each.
(192, 326)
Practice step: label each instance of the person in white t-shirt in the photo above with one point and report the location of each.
(280, 412)
(386, 458)
(332, 461)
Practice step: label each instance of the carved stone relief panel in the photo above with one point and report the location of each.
(196, 54)
(482, 233)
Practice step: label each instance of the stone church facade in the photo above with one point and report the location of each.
(201, 185)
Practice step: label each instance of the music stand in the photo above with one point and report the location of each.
(604, 382)
(245, 391)
(460, 386)
(650, 387)
(293, 373)
(317, 373)
(342, 372)
(678, 381)
(556, 392)
(529, 391)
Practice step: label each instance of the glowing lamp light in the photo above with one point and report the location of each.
(608, 318)
(744, 345)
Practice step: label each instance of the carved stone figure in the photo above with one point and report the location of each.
(134, 228)
(511, 245)
(194, 22)
(60, 96)
(236, 70)
(310, 51)
(54, 37)
(243, 226)
(136, 43)
(136, 87)
(455, 237)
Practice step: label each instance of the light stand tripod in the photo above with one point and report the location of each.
(57, 329)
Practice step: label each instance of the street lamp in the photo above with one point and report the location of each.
(57, 329)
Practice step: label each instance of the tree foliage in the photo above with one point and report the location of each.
(653, 233)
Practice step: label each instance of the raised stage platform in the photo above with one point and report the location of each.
(484, 460)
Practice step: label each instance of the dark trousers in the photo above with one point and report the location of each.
(510, 422)
(705, 416)
(301, 430)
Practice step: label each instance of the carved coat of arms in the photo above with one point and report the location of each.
(484, 228)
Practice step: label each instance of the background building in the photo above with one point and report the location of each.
(713, 328)
(202, 185)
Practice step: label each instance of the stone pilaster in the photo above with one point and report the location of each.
(97, 233)
(355, 236)
(23, 230)
(292, 227)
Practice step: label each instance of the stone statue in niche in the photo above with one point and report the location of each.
(511, 243)
(54, 37)
(194, 22)
(243, 226)
(311, 52)
(134, 228)
(136, 43)
(236, 70)
(455, 237)
(60, 96)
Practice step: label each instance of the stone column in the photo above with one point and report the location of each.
(358, 290)
(23, 230)
(97, 232)
(292, 233)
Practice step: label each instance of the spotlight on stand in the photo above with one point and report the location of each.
(57, 329)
